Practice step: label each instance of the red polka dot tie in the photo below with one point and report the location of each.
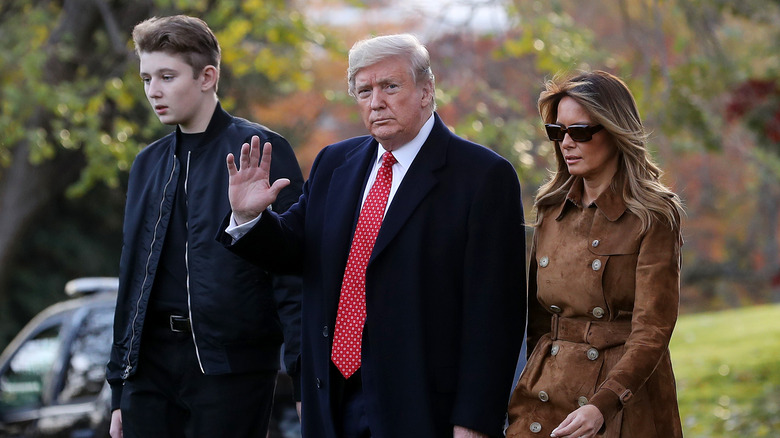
(351, 314)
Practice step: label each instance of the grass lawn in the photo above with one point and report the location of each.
(727, 366)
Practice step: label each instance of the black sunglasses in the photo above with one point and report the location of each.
(579, 133)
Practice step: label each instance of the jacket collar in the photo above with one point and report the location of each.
(419, 180)
(609, 202)
(219, 121)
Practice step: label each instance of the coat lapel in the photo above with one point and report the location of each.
(341, 210)
(346, 189)
(419, 180)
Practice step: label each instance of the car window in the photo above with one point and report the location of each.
(22, 382)
(86, 367)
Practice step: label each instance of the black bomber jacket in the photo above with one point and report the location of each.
(240, 314)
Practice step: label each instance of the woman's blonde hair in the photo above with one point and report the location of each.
(610, 103)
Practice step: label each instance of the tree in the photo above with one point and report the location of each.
(73, 114)
(61, 95)
(686, 63)
(690, 65)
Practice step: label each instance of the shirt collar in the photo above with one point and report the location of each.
(406, 153)
(609, 202)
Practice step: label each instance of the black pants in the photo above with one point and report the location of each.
(349, 405)
(170, 397)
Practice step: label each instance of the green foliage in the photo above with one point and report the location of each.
(728, 372)
(69, 82)
(103, 111)
(551, 36)
(53, 99)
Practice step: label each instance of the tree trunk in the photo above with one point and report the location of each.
(26, 188)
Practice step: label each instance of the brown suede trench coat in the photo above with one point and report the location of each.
(606, 303)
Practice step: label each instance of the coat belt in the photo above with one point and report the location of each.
(599, 334)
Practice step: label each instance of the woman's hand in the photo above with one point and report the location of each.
(585, 422)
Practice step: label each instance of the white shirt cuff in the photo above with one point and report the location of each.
(238, 231)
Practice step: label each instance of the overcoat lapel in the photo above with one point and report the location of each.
(342, 207)
(419, 180)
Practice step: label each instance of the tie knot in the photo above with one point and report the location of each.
(388, 159)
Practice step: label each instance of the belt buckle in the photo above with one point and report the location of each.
(175, 320)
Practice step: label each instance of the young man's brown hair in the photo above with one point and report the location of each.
(188, 37)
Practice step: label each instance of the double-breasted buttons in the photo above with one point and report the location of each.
(592, 353)
(555, 309)
(555, 348)
(325, 331)
(543, 396)
(582, 400)
(318, 382)
(536, 427)
(544, 261)
(598, 312)
(596, 265)
(595, 243)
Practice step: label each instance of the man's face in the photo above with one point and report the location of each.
(392, 106)
(176, 97)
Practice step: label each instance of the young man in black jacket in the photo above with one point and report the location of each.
(197, 330)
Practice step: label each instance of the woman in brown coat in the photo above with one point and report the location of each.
(605, 275)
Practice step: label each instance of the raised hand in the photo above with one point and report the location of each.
(250, 191)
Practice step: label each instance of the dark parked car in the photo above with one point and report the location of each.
(52, 375)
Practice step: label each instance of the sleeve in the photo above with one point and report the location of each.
(287, 292)
(135, 212)
(285, 165)
(275, 242)
(654, 316)
(287, 288)
(115, 366)
(494, 306)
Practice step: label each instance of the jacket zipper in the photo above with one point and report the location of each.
(128, 366)
(187, 261)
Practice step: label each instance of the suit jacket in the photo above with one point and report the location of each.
(445, 298)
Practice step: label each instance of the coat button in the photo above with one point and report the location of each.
(595, 243)
(325, 331)
(544, 261)
(598, 312)
(319, 383)
(536, 427)
(554, 349)
(555, 309)
(582, 400)
(596, 265)
(592, 353)
(543, 396)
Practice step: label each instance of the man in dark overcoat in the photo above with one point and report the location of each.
(440, 292)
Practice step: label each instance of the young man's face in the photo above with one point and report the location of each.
(176, 97)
